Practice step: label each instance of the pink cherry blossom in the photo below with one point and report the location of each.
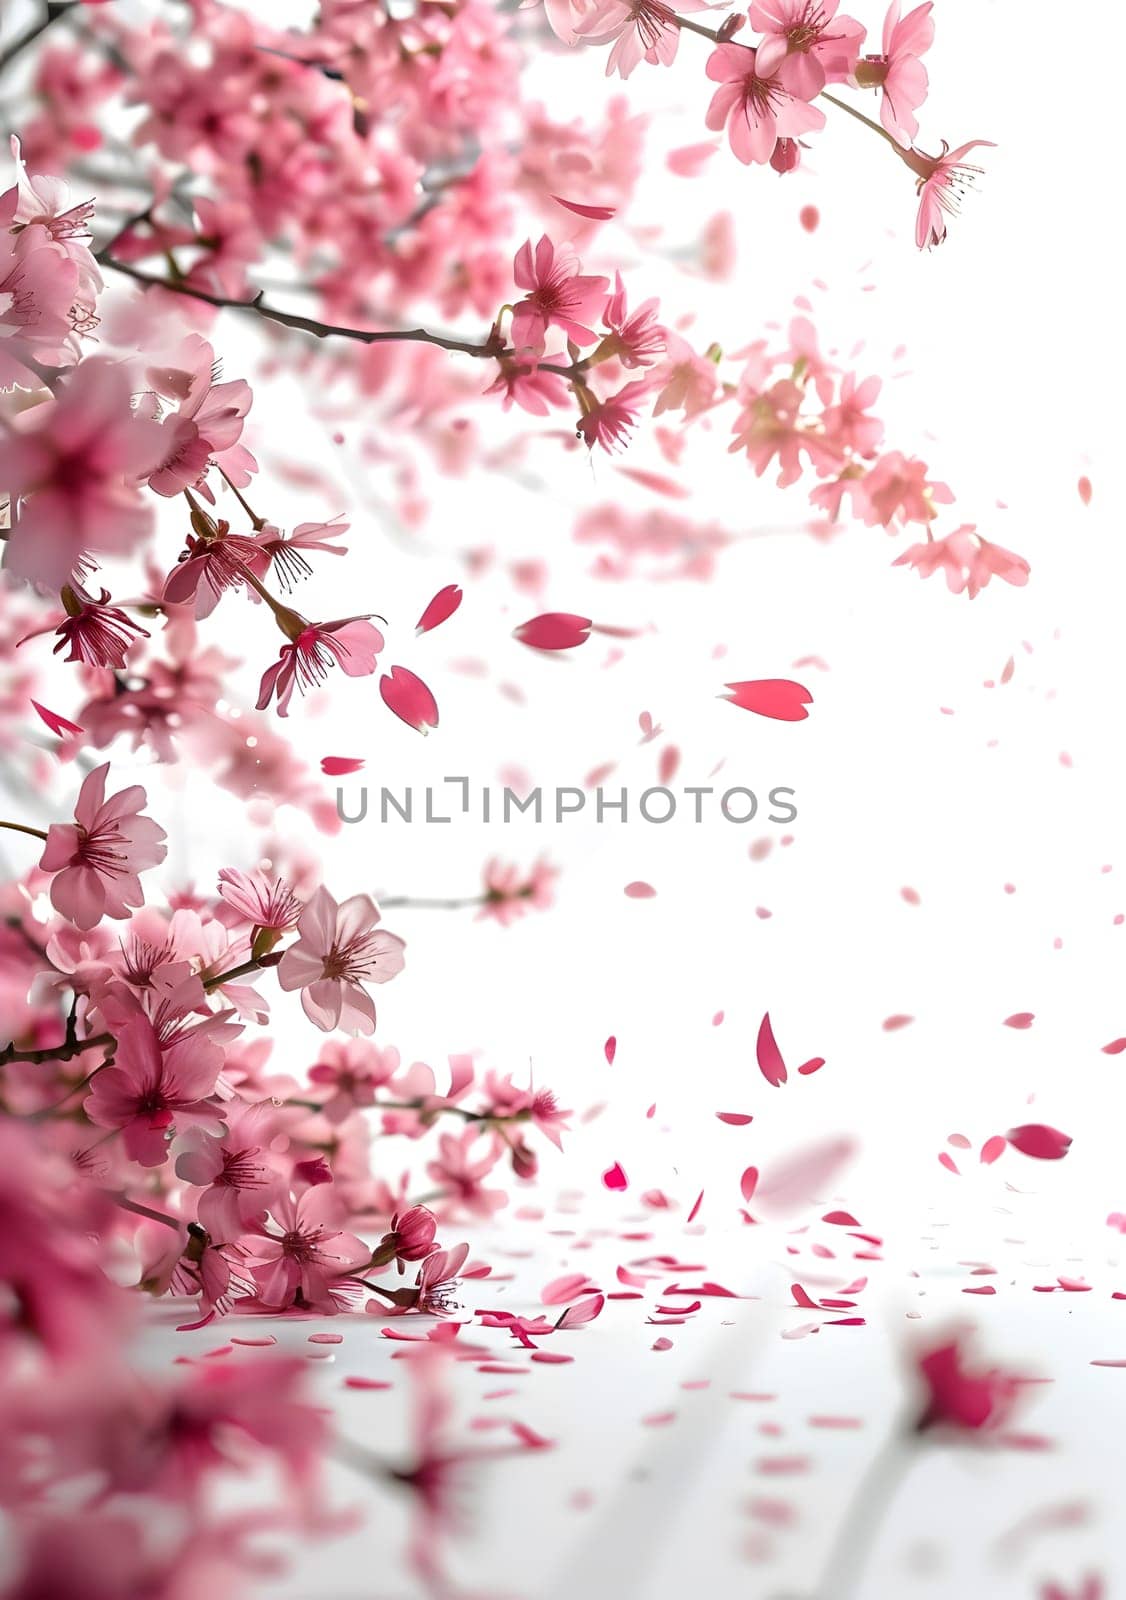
(94, 632)
(640, 30)
(97, 858)
(238, 1171)
(609, 422)
(266, 903)
(636, 338)
(967, 561)
(806, 43)
(411, 1237)
(339, 948)
(74, 462)
(152, 1091)
(301, 1257)
(557, 295)
(898, 72)
(756, 107)
(959, 1398)
(511, 892)
(352, 644)
(351, 1070)
(943, 181)
(207, 424)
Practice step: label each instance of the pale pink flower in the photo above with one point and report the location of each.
(511, 892)
(434, 1287)
(308, 1260)
(38, 285)
(352, 644)
(806, 43)
(564, 16)
(688, 382)
(151, 1092)
(264, 902)
(898, 490)
(339, 948)
(943, 181)
(609, 422)
(286, 551)
(557, 295)
(73, 463)
(847, 424)
(96, 858)
(640, 30)
(967, 561)
(458, 1174)
(899, 72)
(207, 424)
(538, 1106)
(757, 108)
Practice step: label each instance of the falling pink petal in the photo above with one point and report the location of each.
(409, 698)
(911, 896)
(690, 158)
(560, 1290)
(1085, 491)
(58, 725)
(748, 1183)
(894, 1023)
(657, 482)
(661, 1344)
(610, 1049)
(993, 1148)
(813, 1065)
(595, 213)
(1007, 670)
(340, 766)
(1114, 1048)
(1020, 1019)
(582, 1311)
(796, 1179)
(840, 1219)
(440, 609)
(947, 1160)
(639, 890)
(809, 217)
(667, 764)
(770, 1062)
(615, 1178)
(1038, 1140)
(554, 630)
(692, 1215)
(555, 1358)
(779, 698)
(735, 1119)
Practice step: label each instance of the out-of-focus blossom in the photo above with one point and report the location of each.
(73, 464)
(351, 1070)
(966, 560)
(961, 1399)
(511, 892)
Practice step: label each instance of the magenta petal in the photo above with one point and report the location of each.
(770, 1062)
(440, 609)
(409, 698)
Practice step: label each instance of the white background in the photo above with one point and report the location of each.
(1009, 387)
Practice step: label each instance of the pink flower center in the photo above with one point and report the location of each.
(102, 850)
(351, 962)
